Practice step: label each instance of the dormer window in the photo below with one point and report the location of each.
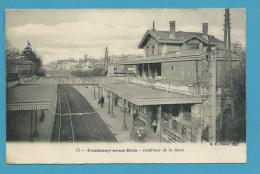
(193, 45)
(153, 50)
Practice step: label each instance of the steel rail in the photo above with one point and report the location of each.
(75, 113)
(92, 114)
(86, 123)
(98, 123)
(71, 124)
(60, 115)
(89, 131)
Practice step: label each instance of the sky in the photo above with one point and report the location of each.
(63, 34)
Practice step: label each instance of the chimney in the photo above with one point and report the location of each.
(172, 30)
(153, 25)
(205, 28)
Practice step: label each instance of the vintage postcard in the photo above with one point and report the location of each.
(125, 85)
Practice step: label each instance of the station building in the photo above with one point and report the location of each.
(172, 83)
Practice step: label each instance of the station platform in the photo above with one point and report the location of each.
(25, 105)
(115, 122)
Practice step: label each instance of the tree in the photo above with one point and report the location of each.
(11, 52)
(30, 55)
(234, 128)
(40, 71)
(239, 81)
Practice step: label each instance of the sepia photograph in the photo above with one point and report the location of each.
(136, 77)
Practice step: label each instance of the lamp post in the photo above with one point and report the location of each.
(108, 96)
(94, 92)
(112, 105)
(133, 126)
(160, 119)
(124, 127)
(31, 127)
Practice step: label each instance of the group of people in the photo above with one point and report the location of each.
(135, 113)
(154, 122)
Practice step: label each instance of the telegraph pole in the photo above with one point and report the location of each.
(213, 95)
(211, 65)
(227, 83)
(227, 24)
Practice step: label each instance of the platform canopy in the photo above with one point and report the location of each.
(30, 97)
(140, 95)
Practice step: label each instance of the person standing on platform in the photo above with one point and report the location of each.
(102, 101)
(154, 124)
(135, 114)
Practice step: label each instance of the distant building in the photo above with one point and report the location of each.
(66, 64)
(16, 66)
(117, 69)
(86, 66)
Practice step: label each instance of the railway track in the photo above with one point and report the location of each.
(77, 120)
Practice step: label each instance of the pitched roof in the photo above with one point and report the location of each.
(180, 37)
